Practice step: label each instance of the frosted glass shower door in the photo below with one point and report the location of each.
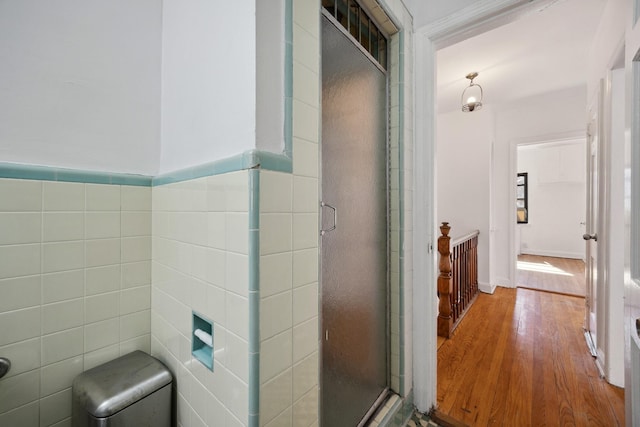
(354, 254)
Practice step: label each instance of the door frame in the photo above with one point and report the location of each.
(470, 21)
(387, 75)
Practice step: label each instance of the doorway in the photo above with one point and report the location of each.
(550, 216)
(354, 242)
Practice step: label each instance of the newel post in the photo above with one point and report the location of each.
(445, 320)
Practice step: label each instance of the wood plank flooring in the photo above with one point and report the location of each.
(519, 358)
(560, 275)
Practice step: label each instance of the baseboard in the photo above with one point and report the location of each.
(486, 288)
(555, 254)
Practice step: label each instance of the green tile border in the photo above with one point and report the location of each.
(251, 159)
(254, 298)
(47, 173)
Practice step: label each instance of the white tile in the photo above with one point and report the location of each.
(275, 355)
(275, 273)
(102, 252)
(55, 408)
(216, 306)
(275, 233)
(275, 396)
(237, 273)
(305, 195)
(27, 415)
(62, 315)
(305, 339)
(19, 390)
(102, 225)
(62, 345)
(24, 323)
(102, 307)
(135, 198)
(142, 343)
(62, 226)
(305, 410)
(135, 299)
(237, 315)
(305, 303)
(237, 235)
(135, 325)
(62, 196)
(305, 267)
(20, 228)
(136, 224)
(24, 356)
(17, 195)
(305, 375)
(307, 15)
(19, 260)
(100, 356)
(136, 274)
(284, 419)
(275, 314)
(64, 423)
(101, 334)
(200, 398)
(216, 199)
(102, 197)
(305, 231)
(306, 120)
(237, 356)
(215, 411)
(216, 265)
(102, 279)
(59, 376)
(236, 191)
(303, 48)
(62, 286)
(62, 256)
(275, 192)
(136, 249)
(306, 85)
(305, 157)
(19, 292)
(216, 230)
(237, 397)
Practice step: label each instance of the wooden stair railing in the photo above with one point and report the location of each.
(458, 279)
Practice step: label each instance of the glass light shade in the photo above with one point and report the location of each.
(472, 98)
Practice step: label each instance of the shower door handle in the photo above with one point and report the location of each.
(335, 218)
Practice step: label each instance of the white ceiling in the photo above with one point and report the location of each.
(542, 52)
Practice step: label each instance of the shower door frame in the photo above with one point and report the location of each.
(386, 391)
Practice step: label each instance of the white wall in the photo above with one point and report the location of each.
(537, 118)
(80, 84)
(463, 153)
(208, 81)
(557, 191)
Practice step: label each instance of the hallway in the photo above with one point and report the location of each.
(519, 358)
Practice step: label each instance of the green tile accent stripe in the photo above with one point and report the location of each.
(47, 173)
(288, 78)
(401, 322)
(251, 159)
(254, 298)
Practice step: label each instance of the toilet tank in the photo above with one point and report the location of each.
(132, 390)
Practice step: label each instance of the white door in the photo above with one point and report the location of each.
(591, 237)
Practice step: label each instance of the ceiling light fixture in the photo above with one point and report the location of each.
(472, 95)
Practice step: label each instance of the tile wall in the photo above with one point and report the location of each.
(74, 289)
(200, 263)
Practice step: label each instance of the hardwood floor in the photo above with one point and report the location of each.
(560, 275)
(519, 358)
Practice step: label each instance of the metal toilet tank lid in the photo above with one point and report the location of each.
(119, 383)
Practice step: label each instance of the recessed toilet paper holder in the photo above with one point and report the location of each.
(5, 365)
